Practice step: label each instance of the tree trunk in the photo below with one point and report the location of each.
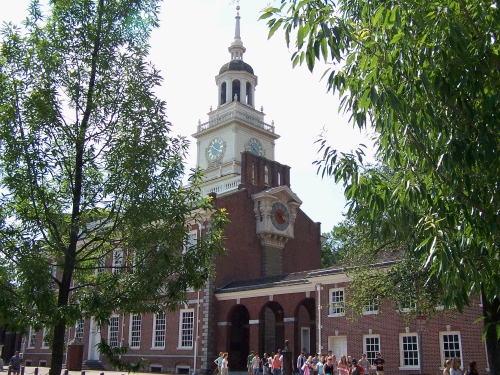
(56, 361)
(491, 313)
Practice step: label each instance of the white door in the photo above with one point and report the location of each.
(94, 339)
(305, 339)
(338, 345)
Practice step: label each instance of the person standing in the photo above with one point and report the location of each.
(343, 366)
(472, 368)
(15, 363)
(265, 364)
(218, 362)
(447, 367)
(379, 364)
(455, 367)
(314, 363)
(355, 370)
(335, 365)
(256, 364)
(276, 365)
(225, 364)
(300, 362)
(249, 363)
(320, 365)
(328, 368)
(365, 363)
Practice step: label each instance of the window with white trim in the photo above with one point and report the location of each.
(451, 345)
(113, 327)
(192, 238)
(407, 305)
(117, 260)
(408, 350)
(53, 273)
(101, 266)
(32, 339)
(371, 344)
(46, 339)
(159, 327)
(186, 329)
(337, 303)
(371, 307)
(79, 329)
(135, 331)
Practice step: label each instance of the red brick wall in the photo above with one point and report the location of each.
(243, 259)
(389, 323)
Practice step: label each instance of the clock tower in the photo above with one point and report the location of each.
(234, 126)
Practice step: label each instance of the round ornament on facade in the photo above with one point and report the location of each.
(255, 147)
(280, 216)
(215, 150)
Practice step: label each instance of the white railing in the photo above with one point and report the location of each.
(254, 120)
(221, 187)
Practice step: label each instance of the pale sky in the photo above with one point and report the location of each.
(190, 47)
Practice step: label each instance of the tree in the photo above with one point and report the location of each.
(402, 281)
(93, 212)
(426, 76)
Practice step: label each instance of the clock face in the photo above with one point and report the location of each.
(280, 217)
(215, 149)
(255, 147)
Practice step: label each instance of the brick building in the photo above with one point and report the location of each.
(269, 286)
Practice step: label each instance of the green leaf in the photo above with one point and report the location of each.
(273, 29)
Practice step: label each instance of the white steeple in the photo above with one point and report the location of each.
(236, 49)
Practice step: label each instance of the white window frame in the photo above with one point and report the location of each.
(368, 349)
(32, 338)
(117, 260)
(80, 329)
(406, 309)
(186, 328)
(45, 342)
(101, 266)
(372, 307)
(402, 351)
(134, 339)
(113, 330)
(53, 273)
(337, 302)
(192, 239)
(442, 350)
(159, 331)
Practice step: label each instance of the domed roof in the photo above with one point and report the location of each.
(237, 65)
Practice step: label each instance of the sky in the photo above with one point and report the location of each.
(189, 48)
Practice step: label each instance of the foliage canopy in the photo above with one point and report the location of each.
(426, 76)
(93, 212)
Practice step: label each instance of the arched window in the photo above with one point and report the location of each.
(236, 92)
(253, 174)
(266, 175)
(279, 179)
(223, 93)
(249, 97)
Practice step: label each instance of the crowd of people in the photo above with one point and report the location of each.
(313, 365)
(327, 365)
(452, 367)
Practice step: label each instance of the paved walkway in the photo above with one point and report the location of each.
(30, 370)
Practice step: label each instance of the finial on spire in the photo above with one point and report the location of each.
(236, 49)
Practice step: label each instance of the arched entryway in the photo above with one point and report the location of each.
(305, 327)
(238, 336)
(272, 328)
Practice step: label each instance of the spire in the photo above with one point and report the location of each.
(236, 49)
